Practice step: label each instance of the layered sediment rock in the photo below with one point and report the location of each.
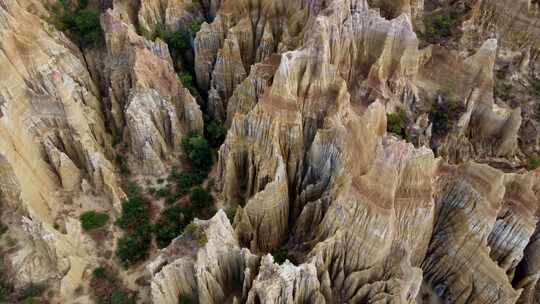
(54, 150)
(483, 129)
(304, 88)
(211, 268)
(146, 96)
(514, 22)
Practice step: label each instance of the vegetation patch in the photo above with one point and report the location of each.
(533, 162)
(197, 233)
(201, 198)
(440, 25)
(231, 213)
(183, 299)
(170, 224)
(93, 220)
(135, 213)
(199, 153)
(74, 18)
(31, 293)
(134, 247)
(106, 288)
(135, 221)
(215, 133)
(280, 255)
(397, 123)
(445, 114)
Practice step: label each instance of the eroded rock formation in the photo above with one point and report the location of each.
(364, 165)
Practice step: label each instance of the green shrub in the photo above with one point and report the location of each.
(100, 273)
(195, 27)
(397, 123)
(132, 189)
(171, 198)
(170, 224)
(162, 192)
(134, 247)
(92, 220)
(503, 90)
(535, 87)
(201, 198)
(186, 79)
(280, 256)
(439, 25)
(445, 114)
(198, 151)
(197, 233)
(231, 213)
(77, 20)
(122, 297)
(533, 162)
(31, 290)
(106, 288)
(176, 40)
(182, 299)
(6, 289)
(185, 181)
(135, 213)
(215, 132)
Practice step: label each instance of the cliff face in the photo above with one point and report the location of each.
(365, 165)
(148, 104)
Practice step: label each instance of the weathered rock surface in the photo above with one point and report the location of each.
(448, 213)
(209, 272)
(146, 96)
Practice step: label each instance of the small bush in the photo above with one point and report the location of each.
(92, 220)
(182, 299)
(397, 123)
(31, 291)
(197, 233)
(187, 81)
(132, 189)
(106, 288)
(170, 224)
(201, 198)
(185, 181)
(135, 213)
(100, 273)
(195, 27)
(176, 40)
(445, 114)
(162, 192)
(215, 132)
(6, 289)
(77, 20)
(122, 297)
(503, 90)
(134, 247)
(535, 87)
(280, 256)
(231, 213)
(533, 162)
(199, 152)
(439, 25)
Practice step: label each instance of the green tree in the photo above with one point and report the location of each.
(201, 198)
(135, 213)
(215, 132)
(397, 123)
(77, 20)
(134, 247)
(92, 220)
(170, 224)
(199, 152)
